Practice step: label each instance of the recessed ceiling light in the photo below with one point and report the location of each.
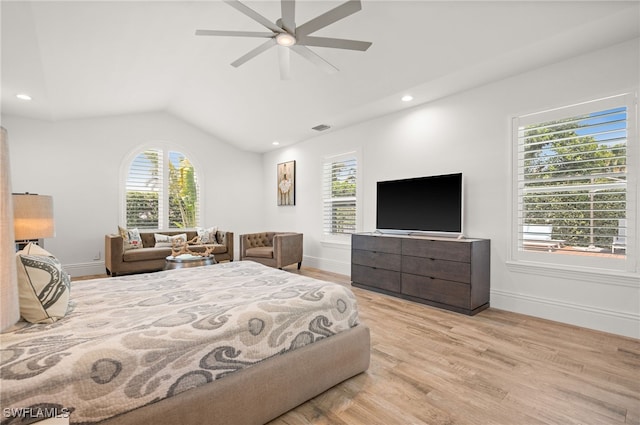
(276, 143)
(407, 98)
(23, 96)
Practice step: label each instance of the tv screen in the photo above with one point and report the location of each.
(426, 204)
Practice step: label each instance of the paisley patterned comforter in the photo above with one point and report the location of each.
(133, 340)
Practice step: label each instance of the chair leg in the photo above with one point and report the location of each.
(299, 265)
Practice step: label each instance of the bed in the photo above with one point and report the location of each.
(233, 343)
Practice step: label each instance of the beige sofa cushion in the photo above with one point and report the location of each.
(146, 254)
(260, 251)
(163, 252)
(217, 248)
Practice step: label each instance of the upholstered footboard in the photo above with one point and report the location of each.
(262, 392)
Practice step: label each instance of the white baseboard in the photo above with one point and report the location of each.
(333, 266)
(85, 269)
(611, 321)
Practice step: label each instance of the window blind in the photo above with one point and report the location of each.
(572, 178)
(144, 190)
(339, 195)
(162, 191)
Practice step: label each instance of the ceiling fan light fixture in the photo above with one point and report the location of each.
(285, 39)
(285, 33)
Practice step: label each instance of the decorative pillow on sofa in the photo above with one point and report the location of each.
(130, 238)
(43, 286)
(166, 241)
(207, 235)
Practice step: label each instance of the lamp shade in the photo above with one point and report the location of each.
(9, 306)
(32, 216)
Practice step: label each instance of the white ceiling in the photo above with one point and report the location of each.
(89, 58)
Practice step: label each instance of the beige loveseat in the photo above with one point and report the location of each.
(149, 259)
(274, 249)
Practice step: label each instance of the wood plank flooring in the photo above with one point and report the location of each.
(430, 366)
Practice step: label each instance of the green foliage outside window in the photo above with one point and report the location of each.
(574, 182)
(183, 195)
(142, 209)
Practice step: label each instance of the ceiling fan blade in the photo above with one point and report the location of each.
(236, 33)
(253, 15)
(328, 18)
(336, 43)
(313, 57)
(284, 55)
(255, 52)
(289, 15)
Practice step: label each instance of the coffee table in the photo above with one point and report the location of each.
(188, 260)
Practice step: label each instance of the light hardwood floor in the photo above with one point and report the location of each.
(430, 366)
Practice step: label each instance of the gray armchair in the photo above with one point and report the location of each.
(275, 249)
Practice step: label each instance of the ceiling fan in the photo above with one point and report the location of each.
(287, 36)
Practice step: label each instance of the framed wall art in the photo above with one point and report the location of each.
(287, 183)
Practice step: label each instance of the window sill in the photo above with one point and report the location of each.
(595, 275)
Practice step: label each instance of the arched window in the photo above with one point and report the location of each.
(161, 191)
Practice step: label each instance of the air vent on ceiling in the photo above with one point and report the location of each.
(321, 127)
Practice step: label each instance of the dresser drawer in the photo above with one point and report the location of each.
(440, 269)
(378, 278)
(376, 243)
(443, 291)
(381, 260)
(459, 250)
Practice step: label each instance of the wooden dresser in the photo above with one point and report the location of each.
(442, 272)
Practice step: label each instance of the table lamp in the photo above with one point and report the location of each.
(32, 218)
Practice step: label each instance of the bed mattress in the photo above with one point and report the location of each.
(131, 341)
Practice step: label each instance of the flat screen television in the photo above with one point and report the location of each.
(432, 204)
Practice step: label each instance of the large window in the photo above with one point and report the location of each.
(339, 193)
(161, 191)
(574, 179)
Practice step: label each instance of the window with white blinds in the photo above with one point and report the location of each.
(161, 191)
(339, 194)
(572, 179)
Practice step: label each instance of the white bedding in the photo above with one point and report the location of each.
(132, 340)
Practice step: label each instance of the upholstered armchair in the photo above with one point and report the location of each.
(275, 249)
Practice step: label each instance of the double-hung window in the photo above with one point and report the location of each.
(340, 197)
(575, 185)
(161, 191)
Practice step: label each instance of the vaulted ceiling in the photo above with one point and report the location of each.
(82, 59)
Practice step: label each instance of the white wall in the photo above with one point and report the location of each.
(470, 133)
(78, 163)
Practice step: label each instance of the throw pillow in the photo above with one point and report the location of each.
(43, 286)
(130, 238)
(166, 241)
(207, 236)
